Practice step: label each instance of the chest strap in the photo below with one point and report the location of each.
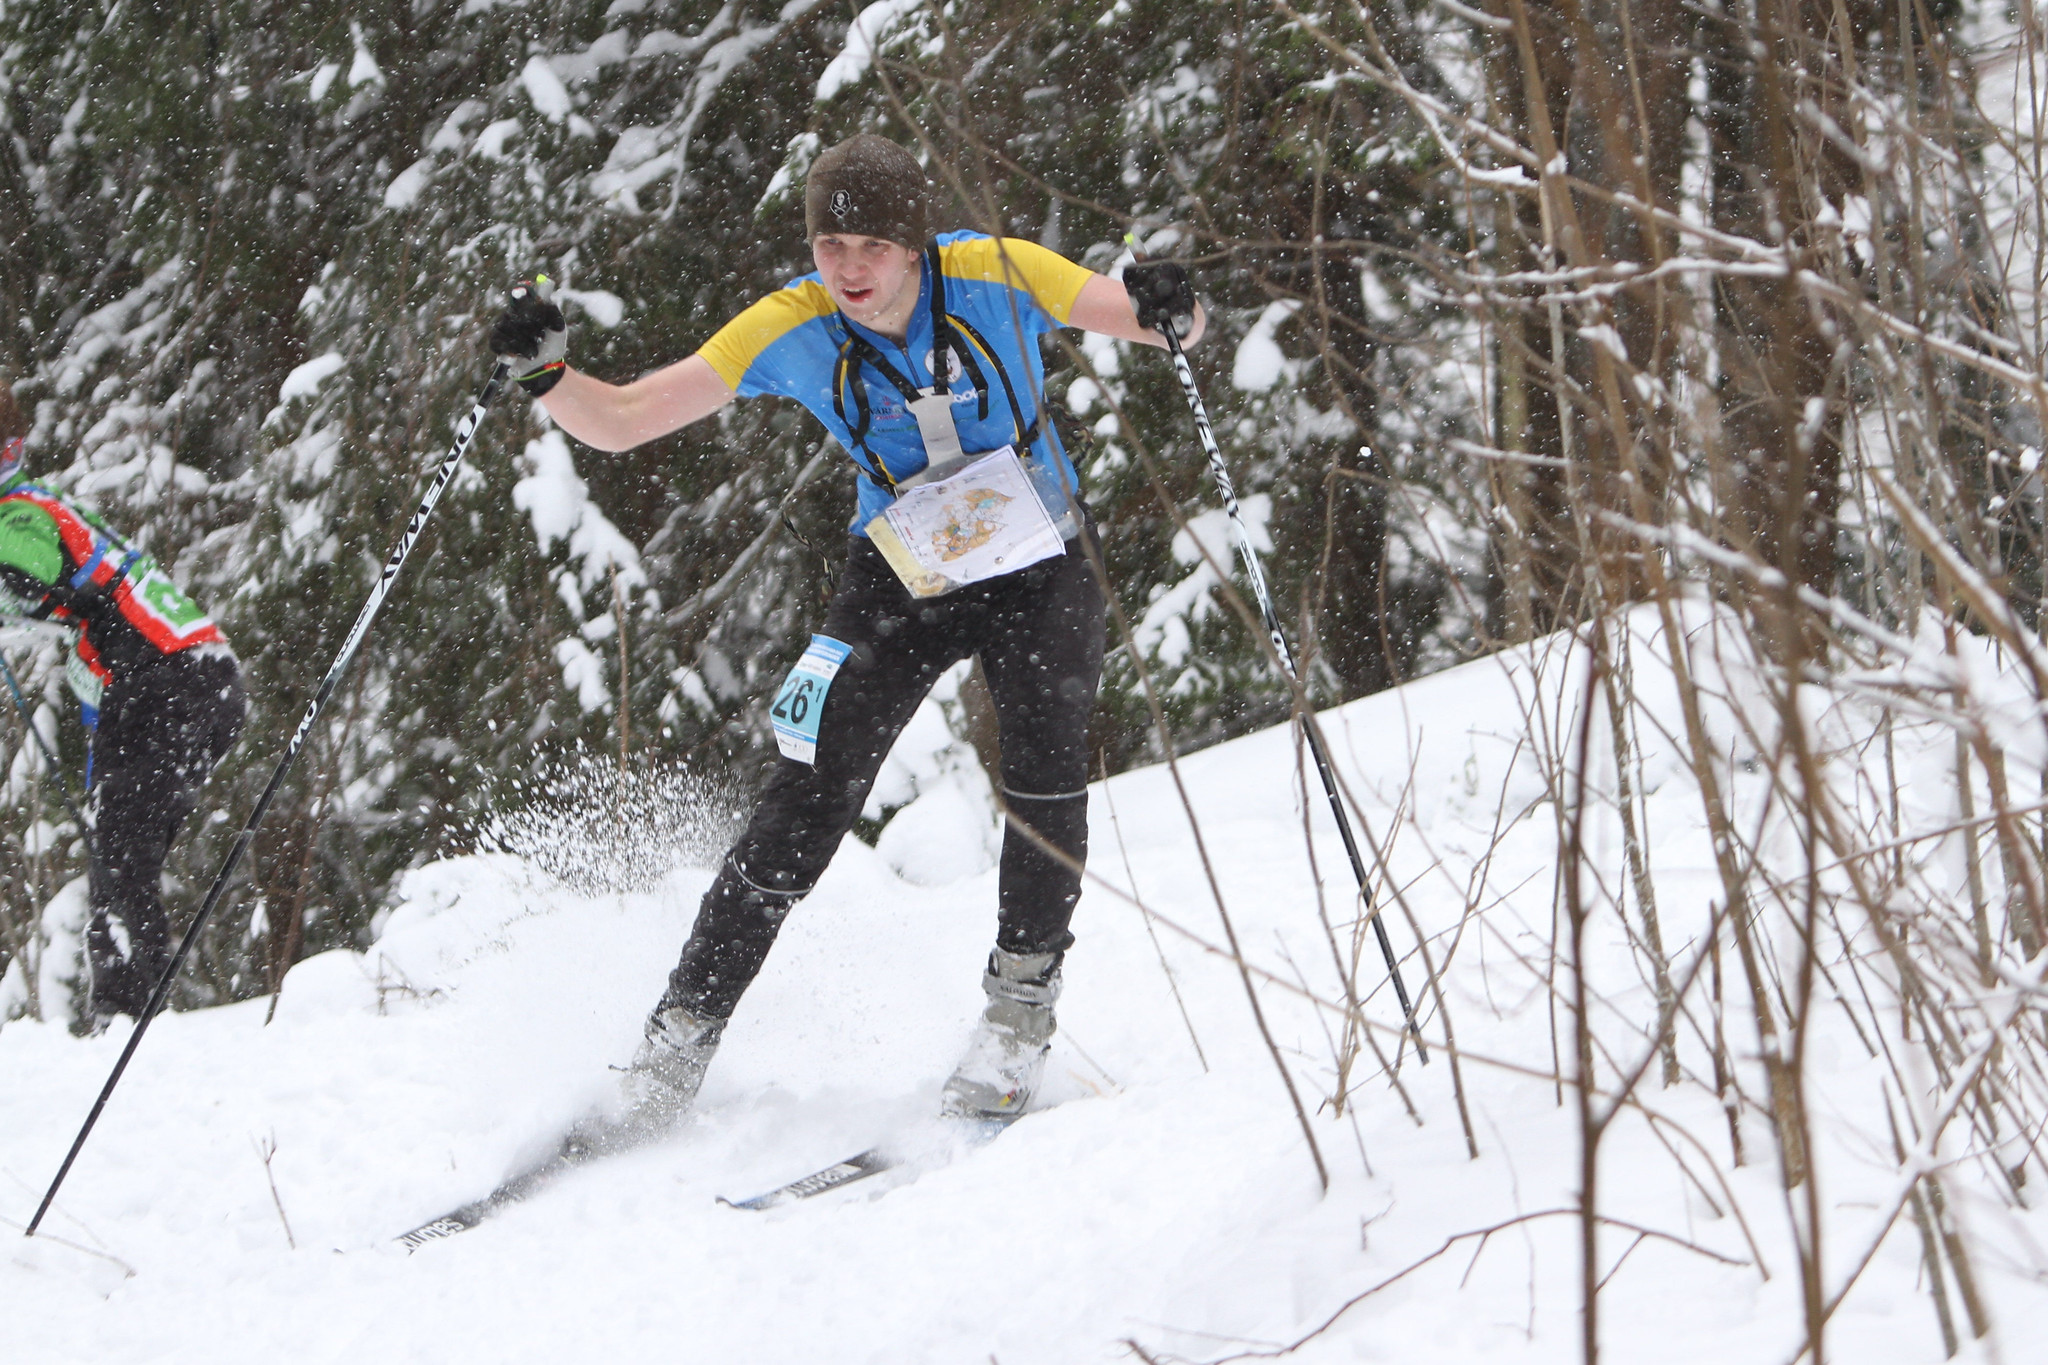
(933, 408)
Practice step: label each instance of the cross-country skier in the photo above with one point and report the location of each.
(921, 356)
(161, 695)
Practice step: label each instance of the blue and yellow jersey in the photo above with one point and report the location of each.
(1002, 295)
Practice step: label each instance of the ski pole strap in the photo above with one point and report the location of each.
(540, 381)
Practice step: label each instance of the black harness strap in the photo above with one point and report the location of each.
(848, 367)
(947, 330)
(944, 342)
(1025, 435)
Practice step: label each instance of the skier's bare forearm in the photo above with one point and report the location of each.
(1104, 307)
(620, 416)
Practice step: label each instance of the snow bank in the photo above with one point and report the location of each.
(1162, 1194)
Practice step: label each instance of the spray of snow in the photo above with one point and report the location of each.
(600, 829)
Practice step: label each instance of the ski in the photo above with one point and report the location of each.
(574, 1151)
(461, 1220)
(837, 1176)
(954, 1137)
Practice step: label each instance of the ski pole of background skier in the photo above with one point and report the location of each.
(449, 465)
(63, 783)
(1256, 574)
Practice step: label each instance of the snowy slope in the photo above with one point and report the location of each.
(1163, 1197)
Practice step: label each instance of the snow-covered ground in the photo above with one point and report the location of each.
(1162, 1195)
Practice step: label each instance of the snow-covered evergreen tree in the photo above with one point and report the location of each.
(260, 245)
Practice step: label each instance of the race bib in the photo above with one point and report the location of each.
(801, 702)
(981, 523)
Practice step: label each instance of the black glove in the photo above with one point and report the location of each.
(532, 336)
(1161, 295)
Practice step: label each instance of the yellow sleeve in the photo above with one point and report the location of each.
(735, 347)
(1053, 281)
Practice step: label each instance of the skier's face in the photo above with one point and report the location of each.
(874, 282)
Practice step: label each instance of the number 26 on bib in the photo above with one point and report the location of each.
(801, 703)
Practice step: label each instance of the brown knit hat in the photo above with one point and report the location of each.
(868, 186)
(12, 423)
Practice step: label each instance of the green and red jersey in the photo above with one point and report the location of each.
(63, 564)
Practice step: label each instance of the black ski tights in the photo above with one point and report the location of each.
(161, 730)
(1039, 633)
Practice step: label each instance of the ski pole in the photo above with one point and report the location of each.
(449, 464)
(63, 783)
(1257, 577)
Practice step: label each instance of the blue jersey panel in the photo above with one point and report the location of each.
(790, 344)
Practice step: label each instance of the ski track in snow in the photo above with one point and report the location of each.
(1156, 1202)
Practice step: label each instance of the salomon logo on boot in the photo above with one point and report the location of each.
(1005, 1059)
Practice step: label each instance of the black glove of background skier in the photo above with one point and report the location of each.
(1160, 294)
(532, 336)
